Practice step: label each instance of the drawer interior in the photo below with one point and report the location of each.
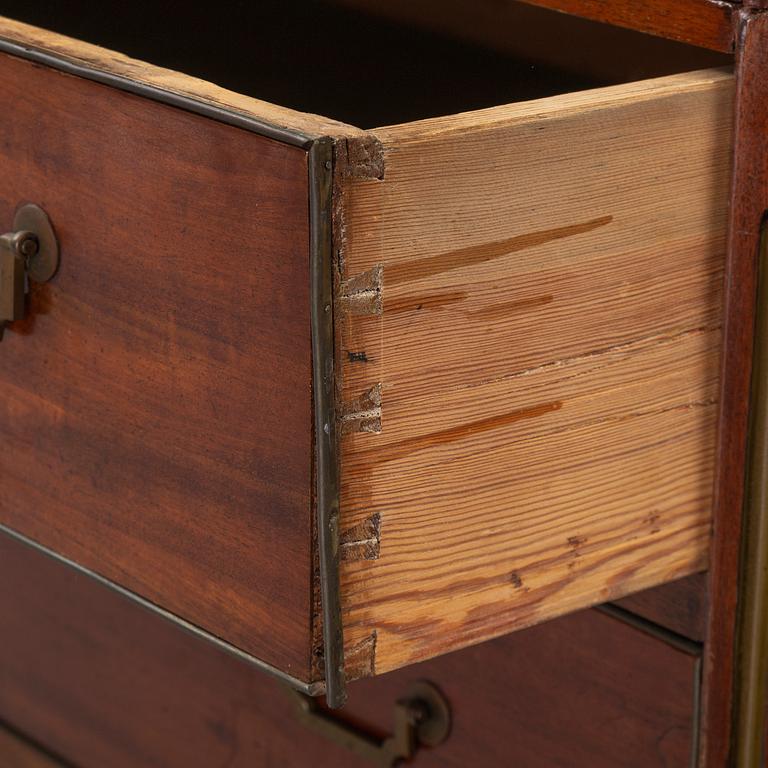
(366, 63)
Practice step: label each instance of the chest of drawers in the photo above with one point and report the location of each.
(339, 400)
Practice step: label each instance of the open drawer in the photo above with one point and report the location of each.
(418, 386)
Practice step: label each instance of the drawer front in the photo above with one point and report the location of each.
(156, 398)
(101, 682)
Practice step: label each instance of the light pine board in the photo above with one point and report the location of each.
(547, 358)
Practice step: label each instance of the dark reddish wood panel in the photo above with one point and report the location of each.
(17, 752)
(680, 606)
(103, 682)
(155, 404)
(706, 23)
(749, 203)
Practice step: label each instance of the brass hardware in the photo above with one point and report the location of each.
(31, 252)
(323, 399)
(422, 718)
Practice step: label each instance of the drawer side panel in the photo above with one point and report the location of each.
(529, 336)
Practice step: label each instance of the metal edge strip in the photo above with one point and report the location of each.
(680, 643)
(698, 685)
(658, 631)
(326, 456)
(311, 689)
(225, 115)
(751, 674)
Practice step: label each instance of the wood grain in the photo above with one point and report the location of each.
(530, 415)
(708, 23)
(749, 202)
(156, 400)
(108, 684)
(104, 60)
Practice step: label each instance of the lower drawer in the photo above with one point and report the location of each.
(103, 682)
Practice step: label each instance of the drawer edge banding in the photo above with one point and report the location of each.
(320, 170)
(323, 394)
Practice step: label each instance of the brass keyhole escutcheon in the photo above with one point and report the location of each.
(29, 252)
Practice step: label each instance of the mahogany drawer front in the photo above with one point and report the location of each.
(99, 681)
(455, 379)
(156, 394)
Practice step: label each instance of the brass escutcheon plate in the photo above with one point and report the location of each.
(43, 265)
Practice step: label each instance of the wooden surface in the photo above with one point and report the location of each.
(748, 204)
(156, 400)
(530, 332)
(103, 60)
(17, 752)
(680, 606)
(106, 683)
(708, 23)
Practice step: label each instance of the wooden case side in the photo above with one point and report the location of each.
(528, 337)
(734, 513)
(18, 752)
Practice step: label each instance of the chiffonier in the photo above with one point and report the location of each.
(440, 443)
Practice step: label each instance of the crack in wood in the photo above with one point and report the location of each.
(474, 255)
(660, 338)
